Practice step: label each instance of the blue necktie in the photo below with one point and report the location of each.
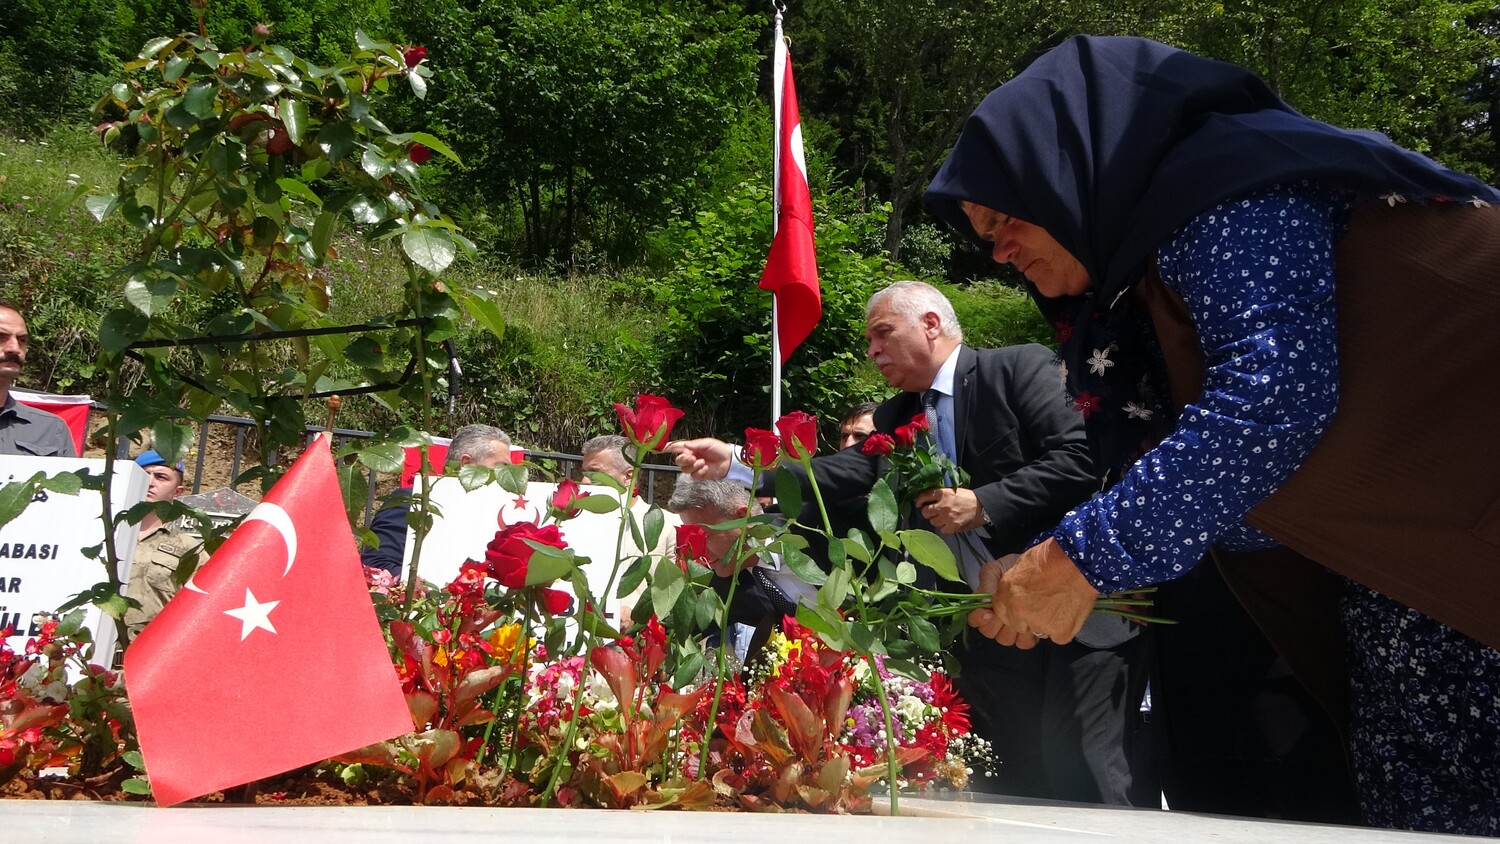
(967, 547)
(941, 428)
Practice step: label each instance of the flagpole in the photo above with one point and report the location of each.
(778, 76)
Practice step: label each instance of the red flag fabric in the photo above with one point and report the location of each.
(72, 410)
(270, 658)
(792, 265)
(411, 460)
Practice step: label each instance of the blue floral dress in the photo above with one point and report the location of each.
(1258, 275)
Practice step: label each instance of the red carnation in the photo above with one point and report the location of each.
(508, 554)
(761, 449)
(414, 56)
(799, 434)
(419, 154)
(649, 424)
(879, 445)
(565, 499)
(692, 544)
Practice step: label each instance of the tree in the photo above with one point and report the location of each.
(590, 117)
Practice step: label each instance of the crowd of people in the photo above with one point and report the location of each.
(1268, 402)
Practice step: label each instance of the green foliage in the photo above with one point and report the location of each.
(585, 119)
(715, 323)
(247, 163)
(994, 315)
(1397, 66)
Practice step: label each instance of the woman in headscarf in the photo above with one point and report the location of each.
(1281, 336)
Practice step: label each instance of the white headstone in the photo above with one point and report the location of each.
(41, 551)
(469, 520)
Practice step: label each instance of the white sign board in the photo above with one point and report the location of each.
(469, 520)
(41, 552)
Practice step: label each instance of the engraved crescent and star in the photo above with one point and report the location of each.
(256, 614)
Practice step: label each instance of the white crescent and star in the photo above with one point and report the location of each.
(257, 614)
(253, 614)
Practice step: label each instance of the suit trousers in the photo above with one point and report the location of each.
(1062, 718)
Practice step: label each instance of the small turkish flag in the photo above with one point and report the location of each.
(792, 265)
(270, 658)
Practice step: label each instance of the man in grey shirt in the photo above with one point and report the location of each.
(24, 429)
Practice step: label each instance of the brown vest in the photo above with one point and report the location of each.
(1402, 493)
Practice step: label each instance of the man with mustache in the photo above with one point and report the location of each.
(1057, 715)
(24, 429)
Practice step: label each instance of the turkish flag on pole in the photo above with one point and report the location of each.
(270, 658)
(792, 266)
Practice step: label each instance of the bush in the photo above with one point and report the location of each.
(715, 323)
(994, 314)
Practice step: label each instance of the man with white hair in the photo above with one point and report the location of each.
(766, 590)
(1057, 715)
(480, 445)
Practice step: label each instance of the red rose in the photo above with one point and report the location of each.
(649, 424)
(692, 544)
(566, 499)
(761, 449)
(919, 422)
(879, 445)
(906, 436)
(508, 554)
(799, 434)
(556, 601)
(414, 56)
(419, 154)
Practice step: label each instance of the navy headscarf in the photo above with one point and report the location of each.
(1111, 144)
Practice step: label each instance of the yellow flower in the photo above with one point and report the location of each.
(503, 639)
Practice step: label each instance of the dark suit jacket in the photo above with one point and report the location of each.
(1023, 447)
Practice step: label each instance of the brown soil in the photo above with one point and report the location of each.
(305, 787)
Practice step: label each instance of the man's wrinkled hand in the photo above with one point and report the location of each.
(951, 510)
(702, 459)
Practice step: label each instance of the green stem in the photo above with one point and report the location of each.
(734, 580)
(626, 499)
(812, 481)
(890, 735)
(585, 600)
(859, 598)
(522, 654)
(111, 556)
(419, 532)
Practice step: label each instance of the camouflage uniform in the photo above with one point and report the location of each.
(156, 558)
